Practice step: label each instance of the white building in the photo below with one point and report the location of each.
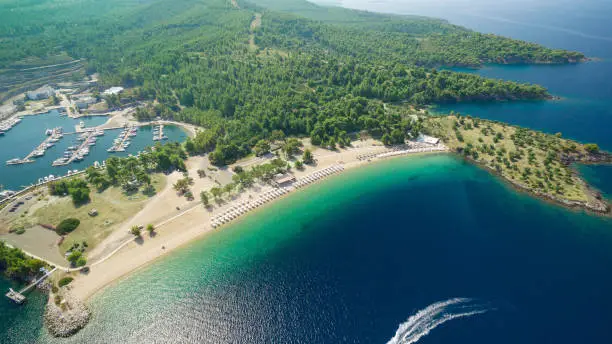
(428, 139)
(283, 179)
(113, 90)
(41, 93)
(84, 102)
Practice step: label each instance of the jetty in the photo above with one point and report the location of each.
(18, 297)
(78, 152)
(53, 136)
(123, 141)
(158, 133)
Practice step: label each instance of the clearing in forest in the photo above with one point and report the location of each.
(254, 25)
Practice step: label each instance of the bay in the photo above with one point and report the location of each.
(584, 112)
(351, 258)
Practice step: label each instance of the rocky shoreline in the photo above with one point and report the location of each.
(596, 204)
(67, 317)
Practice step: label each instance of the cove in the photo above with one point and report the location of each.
(351, 258)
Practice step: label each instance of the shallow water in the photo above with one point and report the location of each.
(349, 260)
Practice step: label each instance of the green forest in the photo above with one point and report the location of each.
(15, 264)
(302, 70)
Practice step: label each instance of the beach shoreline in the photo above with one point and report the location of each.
(194, 224)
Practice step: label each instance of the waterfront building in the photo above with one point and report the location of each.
(428, 139)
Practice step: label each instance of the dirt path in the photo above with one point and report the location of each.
(254, 25)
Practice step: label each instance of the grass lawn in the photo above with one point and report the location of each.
(114, 206)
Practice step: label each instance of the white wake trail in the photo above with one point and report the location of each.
(427, 319)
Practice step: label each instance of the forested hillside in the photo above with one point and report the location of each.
(407, 39)
(202, 61)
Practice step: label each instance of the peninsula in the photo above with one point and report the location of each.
(276, 95)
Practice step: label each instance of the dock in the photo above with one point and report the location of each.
(123, 141)
(158, 133)
(18, 297)
(54, 136)
(78, 153)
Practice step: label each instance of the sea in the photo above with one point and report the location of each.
(27, 135)
(428, 249)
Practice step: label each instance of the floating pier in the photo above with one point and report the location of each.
(158, 133)
(9, 124)
(123, 141)
(77, 153)
(18, 297)
(54, 135)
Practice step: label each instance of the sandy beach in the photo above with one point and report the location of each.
(120, 254)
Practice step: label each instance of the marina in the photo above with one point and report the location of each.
(8, 124)
(32, 128)
(53, 136)
(78, 152)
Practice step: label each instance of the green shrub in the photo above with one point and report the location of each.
(74, 257)
(591, 148)
(67, 226)
(65, 281)
(20, 231)
(81, 261)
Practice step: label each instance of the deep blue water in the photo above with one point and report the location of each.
(348, 260)
(28, 134)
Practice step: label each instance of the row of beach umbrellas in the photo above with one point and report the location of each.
(246, 206)
(318, 175)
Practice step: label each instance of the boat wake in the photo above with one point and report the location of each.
(425, 320)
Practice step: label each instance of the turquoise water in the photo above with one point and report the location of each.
(352, 258)
(18, 323)
(28, 134)
(348, 260)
